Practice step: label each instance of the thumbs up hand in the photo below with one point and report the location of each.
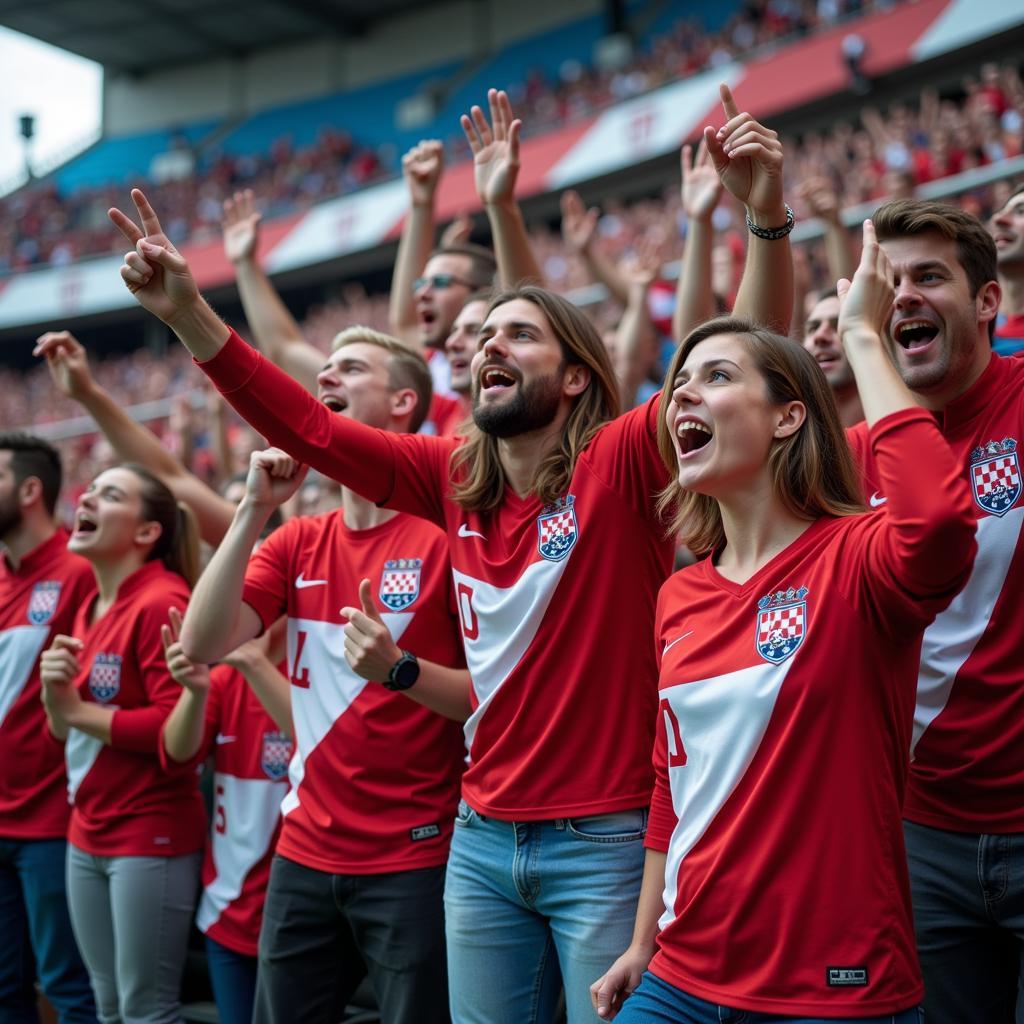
(370, 649)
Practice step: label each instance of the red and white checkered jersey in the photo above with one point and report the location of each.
(967, 771)
(38, 600)
(375, 777)
(123, 802)
(781, 762)
(551, 599)
(250, 762)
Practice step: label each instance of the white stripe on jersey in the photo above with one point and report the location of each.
(950, 640)
(19, 648)
(722, 721)
(251, 813)
(508, 620)
(80, 753)
(334, 687)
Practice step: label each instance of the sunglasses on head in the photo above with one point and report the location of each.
(439, 282)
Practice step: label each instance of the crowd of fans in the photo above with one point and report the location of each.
(40, 225)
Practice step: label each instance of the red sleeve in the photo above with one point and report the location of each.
(917, 551)
(288, 416)
(268, 575)
(625, 455)
(138, 729)
(662, 821)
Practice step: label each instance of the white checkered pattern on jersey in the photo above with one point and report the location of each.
(788, 621)
(998, 472)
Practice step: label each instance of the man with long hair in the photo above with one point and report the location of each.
(557, 554)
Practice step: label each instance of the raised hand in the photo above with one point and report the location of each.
(369, 647)
(189, 674)
(241, 223)
(458, 232)
(702, 187)
(821, 198)
(641, 268)
(154, 271)
(865, 303)
(578, 223)
(67, 361)
(273, 478)
(495, 148)
(422, 167)
(748, 159)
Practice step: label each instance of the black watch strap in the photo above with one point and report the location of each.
(404, 672)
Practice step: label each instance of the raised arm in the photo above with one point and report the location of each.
(68, 364)
(578, 230)
(273, 328)
(495, 149)
(822, 201)
(748, 159)
(186, 724)
(257, 660)
(636, 337)
(701, 192)
(422, 167)
(217, 620)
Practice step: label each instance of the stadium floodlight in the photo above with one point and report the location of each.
(27, 130)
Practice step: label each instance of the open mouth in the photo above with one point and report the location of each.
(83, 524)
(915, 334)
(692, 436)
(495, 378)
(335, 404)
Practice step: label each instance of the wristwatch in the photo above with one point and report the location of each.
(404, 672)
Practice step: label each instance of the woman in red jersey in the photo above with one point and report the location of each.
(776, 884)
(136, 833)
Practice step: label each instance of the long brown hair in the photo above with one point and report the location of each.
(812, 470)
(478, 479)
(178, 544)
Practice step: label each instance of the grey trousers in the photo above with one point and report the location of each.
(968, 892)
(131, 918)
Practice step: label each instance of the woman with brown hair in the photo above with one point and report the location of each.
(776, 885)
(136, 833)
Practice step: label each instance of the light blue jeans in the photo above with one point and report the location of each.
(530, 906)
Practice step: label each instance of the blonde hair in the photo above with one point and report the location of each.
(478, 479)
(406, 368)
(812, 470)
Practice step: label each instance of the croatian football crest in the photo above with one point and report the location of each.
(400, 583)
(557, 529)
(105, 677)
(781, 623)
(276, 755)
(995, 476)
(43, 602)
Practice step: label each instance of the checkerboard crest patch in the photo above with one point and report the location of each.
(557, 529)
(105, 677)
(43, 603)
(400, 583)
(995, 476)
(781, 623)
(276, 755)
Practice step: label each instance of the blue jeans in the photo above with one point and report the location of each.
(233, 977)
(657, 1002)
(968, 893)
(532, 905)
(36, 936)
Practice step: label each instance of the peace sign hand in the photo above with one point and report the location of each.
(191, 675)
(154, 271)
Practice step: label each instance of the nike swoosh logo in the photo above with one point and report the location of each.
(221, 740)
(668, 647)
(301, 584)
(876, 500)
(465, 531)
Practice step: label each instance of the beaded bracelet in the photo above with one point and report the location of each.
(773, 233)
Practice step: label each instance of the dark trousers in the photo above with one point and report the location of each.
(233, 977)
(323, 933)
(36, 937)
(968, 892)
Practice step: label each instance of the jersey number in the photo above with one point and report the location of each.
(676, 751)
(296, 679)
(220, 822)
(470, 625)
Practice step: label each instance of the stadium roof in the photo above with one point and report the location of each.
(126, 36)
